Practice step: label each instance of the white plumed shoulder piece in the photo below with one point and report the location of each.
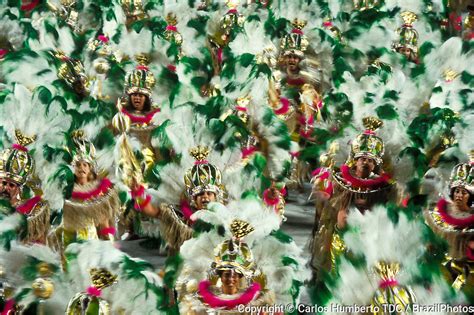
(402, 241)
(281, 262)
(250, 210)
(136, 279)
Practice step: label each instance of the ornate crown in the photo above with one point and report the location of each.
(203, 176)
(234, 254)
(365, 4)
(72, 71)
(367, 143)
(16, 164)
(462, 175)
(295, 43)
(83, 150)
(140, 80)
(133, 9)
(408, 35)
(90, 302)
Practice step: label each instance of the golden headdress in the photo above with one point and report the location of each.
(234, 254)
(368, 144)
(203, 176)
(16, 164)
(462, 175)
(295, 43)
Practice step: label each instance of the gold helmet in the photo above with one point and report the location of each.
(408, 35)
(234, 254)
(140, 80)
(368, 144)
(83, 150)
(462, 175)
(203, 176)
(91, 302)
(16, 164)
(72, 71)
(295, 43)
(134, 10)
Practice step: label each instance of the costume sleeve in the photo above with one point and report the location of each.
(172, 228)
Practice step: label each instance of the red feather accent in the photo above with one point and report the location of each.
(141, 119)
(248, 151)
(8, 307)
(27, 206)
(461, 223)
(285, 106)
(94, 291)
(104, 186)
(186, 209)
(216, 302)
(269, 201)
(108, 230)
(30, 6)
(364, 183)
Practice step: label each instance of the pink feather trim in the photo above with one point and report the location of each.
(297, 31)
(248, 151)
(139, 205)
(285, 106)
(104, 186)
(103, 38)
(364, 183)
(27, 206)
(171, 28)
(216, 302)
(3, 53)
(142, 67)
(469, 254)
(19, 147)
(138, 192)
(186, 209)
(219, 55)
(141, 119)
(201, 162)
(388, 283)
(269, 201)
(94, 291)
(241, 108)
(8, 307)
(171, 68)
(460, 223)
(110, 230)
(30, 6)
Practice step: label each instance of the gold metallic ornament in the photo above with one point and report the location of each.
(368, 143)
(134, 10)
(203, 176)
(83, 150)
(462, 175)
(295, 43)
(67, 12)
(171, 34)
(234, 255)
(17, 164)
(140, 80)
(72, 71)
(391, 293)
(84, 303)
(450, 75)
(362, 5)
(120, 121)
(43, 288)
(240, 228)
(408, 42)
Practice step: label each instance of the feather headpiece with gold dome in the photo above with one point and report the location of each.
(234, 254)
(295, 43)
(140, 80)
(368, 144)
(16, 164)
(83, 150)
(203, 176)
(462, 175)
